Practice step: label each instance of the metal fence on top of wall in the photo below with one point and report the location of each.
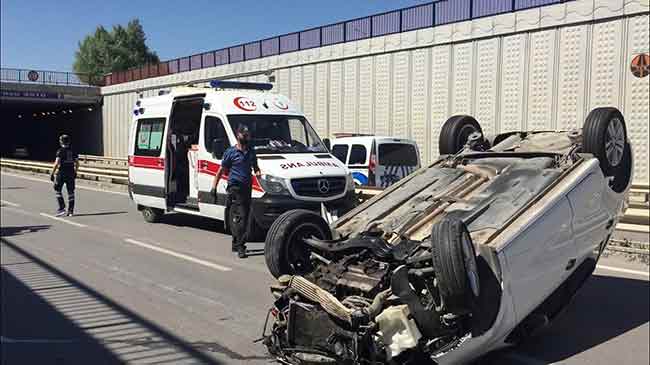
(27, 76)
(397, 21)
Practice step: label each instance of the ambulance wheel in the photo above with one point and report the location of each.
(454, 133)
(152, 215)
(285, 251)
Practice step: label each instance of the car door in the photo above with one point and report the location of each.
(591, 220)
(541, 258)
(358, 164)
(214, 141)
(147, 163)
(395, 161)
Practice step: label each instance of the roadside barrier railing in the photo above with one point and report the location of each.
(115, 170)
(115, 175)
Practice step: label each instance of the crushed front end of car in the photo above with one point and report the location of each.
(367, 302)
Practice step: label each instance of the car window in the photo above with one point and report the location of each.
(357, 155)
(148, 141)
(397, 154)
(215, 133)
(340, 151)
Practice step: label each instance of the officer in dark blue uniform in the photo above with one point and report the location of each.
(238, 162)
(64, 171)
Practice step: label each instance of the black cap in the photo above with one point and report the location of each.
(64, 139)
(243, 129)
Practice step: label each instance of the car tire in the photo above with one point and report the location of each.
(152, 215)
(454, 133)
(455, 267)
(604, 135)
(284, 251)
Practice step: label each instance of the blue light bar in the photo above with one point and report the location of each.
(222, 84)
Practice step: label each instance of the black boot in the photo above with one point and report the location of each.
(241, 251)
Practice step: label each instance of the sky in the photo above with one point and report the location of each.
(44, 34)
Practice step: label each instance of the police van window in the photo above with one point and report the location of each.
(215, 133)
(149, 137)
(397, 154)
(340, 151)
(357, 155)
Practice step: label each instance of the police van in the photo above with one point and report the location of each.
(178, 138)
(376, 161)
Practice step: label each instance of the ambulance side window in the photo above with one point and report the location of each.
(148, 137)
(216, 139)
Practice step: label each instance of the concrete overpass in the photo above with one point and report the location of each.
(35, 113)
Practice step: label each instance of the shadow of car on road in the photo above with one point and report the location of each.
(193, 221)
(606, 307)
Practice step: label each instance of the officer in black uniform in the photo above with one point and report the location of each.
(238, 162)
(64, 171)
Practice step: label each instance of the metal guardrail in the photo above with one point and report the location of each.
(40, 77)
(115, 170)
(428, 15)
(113, 175)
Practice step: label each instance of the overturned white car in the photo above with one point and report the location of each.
(467, 255)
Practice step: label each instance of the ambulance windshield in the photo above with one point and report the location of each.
(279, 133)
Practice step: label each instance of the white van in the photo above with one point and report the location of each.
(374, 160)
(177, 140)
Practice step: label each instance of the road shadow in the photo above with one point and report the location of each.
(12, 188)
(18, 230)
(35, 332)
(605, 307)
(100, 213)
(49, 317)
(194, 221)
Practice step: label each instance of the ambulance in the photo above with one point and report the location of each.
(178, 138)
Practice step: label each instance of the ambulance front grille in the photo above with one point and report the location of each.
(320, 187)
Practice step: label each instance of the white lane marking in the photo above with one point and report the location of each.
(78, 186)
(9, 203)
(64, 220)
(626, 271)
(178, 255)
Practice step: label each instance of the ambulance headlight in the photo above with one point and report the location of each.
(350, 183)
(274, 185)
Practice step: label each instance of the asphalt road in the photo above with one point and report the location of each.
(106, 286)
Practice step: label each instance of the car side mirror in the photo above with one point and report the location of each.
(327, 143)
(218, 147)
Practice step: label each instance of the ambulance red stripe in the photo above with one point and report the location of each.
(147, 162)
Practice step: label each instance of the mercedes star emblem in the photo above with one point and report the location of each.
(323, 186)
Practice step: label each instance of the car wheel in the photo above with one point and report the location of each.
(454, 133)
(454, 264)
(284, 250)
(152, 215)
(605, 136)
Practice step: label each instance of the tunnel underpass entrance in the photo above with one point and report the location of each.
(31, 129)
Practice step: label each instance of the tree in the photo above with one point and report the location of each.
(120, 49)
